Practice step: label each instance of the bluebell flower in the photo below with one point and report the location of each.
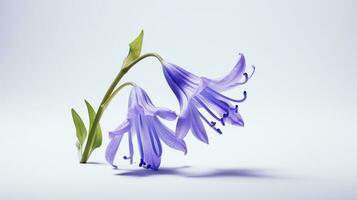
(196, 93)
(144, 123)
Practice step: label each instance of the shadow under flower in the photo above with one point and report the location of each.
(146, 172)
(234, 173)
(212, 173)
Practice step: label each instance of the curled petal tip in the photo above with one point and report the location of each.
(185, 148)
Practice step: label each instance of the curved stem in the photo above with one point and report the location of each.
(101, 109)
(116, 91)
(142, 57)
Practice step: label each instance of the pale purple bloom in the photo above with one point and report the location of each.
(144, 123)
(195, 92)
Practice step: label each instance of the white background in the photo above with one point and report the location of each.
(300, 136)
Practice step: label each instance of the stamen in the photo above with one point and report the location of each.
(207, 109)
(222, 120)
(214, 100)
(247, 77)
(142, 163)
(225, 115)
(230, 99)
(218, 130)
(211, 124)
(250, 76)
(126, 157)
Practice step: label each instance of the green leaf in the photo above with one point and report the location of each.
(81, 130)
(98, 132)
(134, 49)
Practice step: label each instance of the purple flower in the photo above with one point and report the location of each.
(195, 92)
(144, 123)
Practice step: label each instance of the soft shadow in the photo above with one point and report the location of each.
(234, 173)
(147, 172)
(211, 173)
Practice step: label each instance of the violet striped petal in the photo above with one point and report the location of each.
(168, 137)
(198, 129)
(112, 149)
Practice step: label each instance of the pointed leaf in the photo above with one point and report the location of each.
(98, 133)
(81, 130)
(134, 49)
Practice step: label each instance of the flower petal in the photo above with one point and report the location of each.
(179, 93)
(217, 105)
(150, 158)
(149, 108)
(166, 113)
(198, 129)
(232, 79)
(122, 128)
(183, 125)
(235, 118)
(154, 138)
(112, 149)
(137, 128)
(116, 137)
(182, 78)
(168, 137)
(131, 148)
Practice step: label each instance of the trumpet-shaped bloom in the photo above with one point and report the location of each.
(199, 93)
(144, 123)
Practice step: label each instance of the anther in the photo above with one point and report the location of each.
(213, 123)
(222, 121)
(142, 163)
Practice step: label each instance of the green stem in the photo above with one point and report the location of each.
(116, 91)
(105, 102)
